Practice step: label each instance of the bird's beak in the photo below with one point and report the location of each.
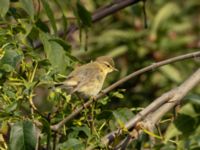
(115, 69)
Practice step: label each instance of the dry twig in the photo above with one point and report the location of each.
(159, 107)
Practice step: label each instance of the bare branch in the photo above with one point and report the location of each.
(180, 93)
(158, 108)
(121, 81)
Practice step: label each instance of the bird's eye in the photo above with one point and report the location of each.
(107, 65)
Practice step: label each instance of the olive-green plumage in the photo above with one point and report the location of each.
(88, 79)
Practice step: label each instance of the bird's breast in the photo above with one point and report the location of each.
(93, 86)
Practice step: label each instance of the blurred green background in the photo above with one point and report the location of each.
(28, 73)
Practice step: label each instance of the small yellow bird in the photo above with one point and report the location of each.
(88, 79)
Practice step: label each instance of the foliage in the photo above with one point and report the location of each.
(29, 102)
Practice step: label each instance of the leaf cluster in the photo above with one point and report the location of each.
(30, 103)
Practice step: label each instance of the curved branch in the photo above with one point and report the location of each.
(159, 107)
(121, 81)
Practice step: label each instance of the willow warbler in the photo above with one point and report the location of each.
(88, 79)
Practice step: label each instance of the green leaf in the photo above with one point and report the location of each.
(50, 14)
(27, 5)
(65, 23)
(4, 6)
(189, 110)
(77, 130)
(12, 107)
(22, 136)
(171, 132)
(164, 13)
(72, 144)
(42, 25)
(194, 98)
(9, 60)
(63, 43)
(118, 94)
(64, 19)
(6, 68)
(168, 146)
(57, 56)
(122, 115)
(27, 29)
(106, 114)
(172, 73)
(183, 125)
(55, 53)
(46, 126)
(84, 15)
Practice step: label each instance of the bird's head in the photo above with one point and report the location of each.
(107, 63)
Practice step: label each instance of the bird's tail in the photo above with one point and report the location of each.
(58, 84)
(67, 88)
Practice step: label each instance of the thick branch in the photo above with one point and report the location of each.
(121, 81)
(157, 109)
(180, 93)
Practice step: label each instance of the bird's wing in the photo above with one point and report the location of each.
(85, 71)
(82, 75)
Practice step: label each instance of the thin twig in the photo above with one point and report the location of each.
(121, 81)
